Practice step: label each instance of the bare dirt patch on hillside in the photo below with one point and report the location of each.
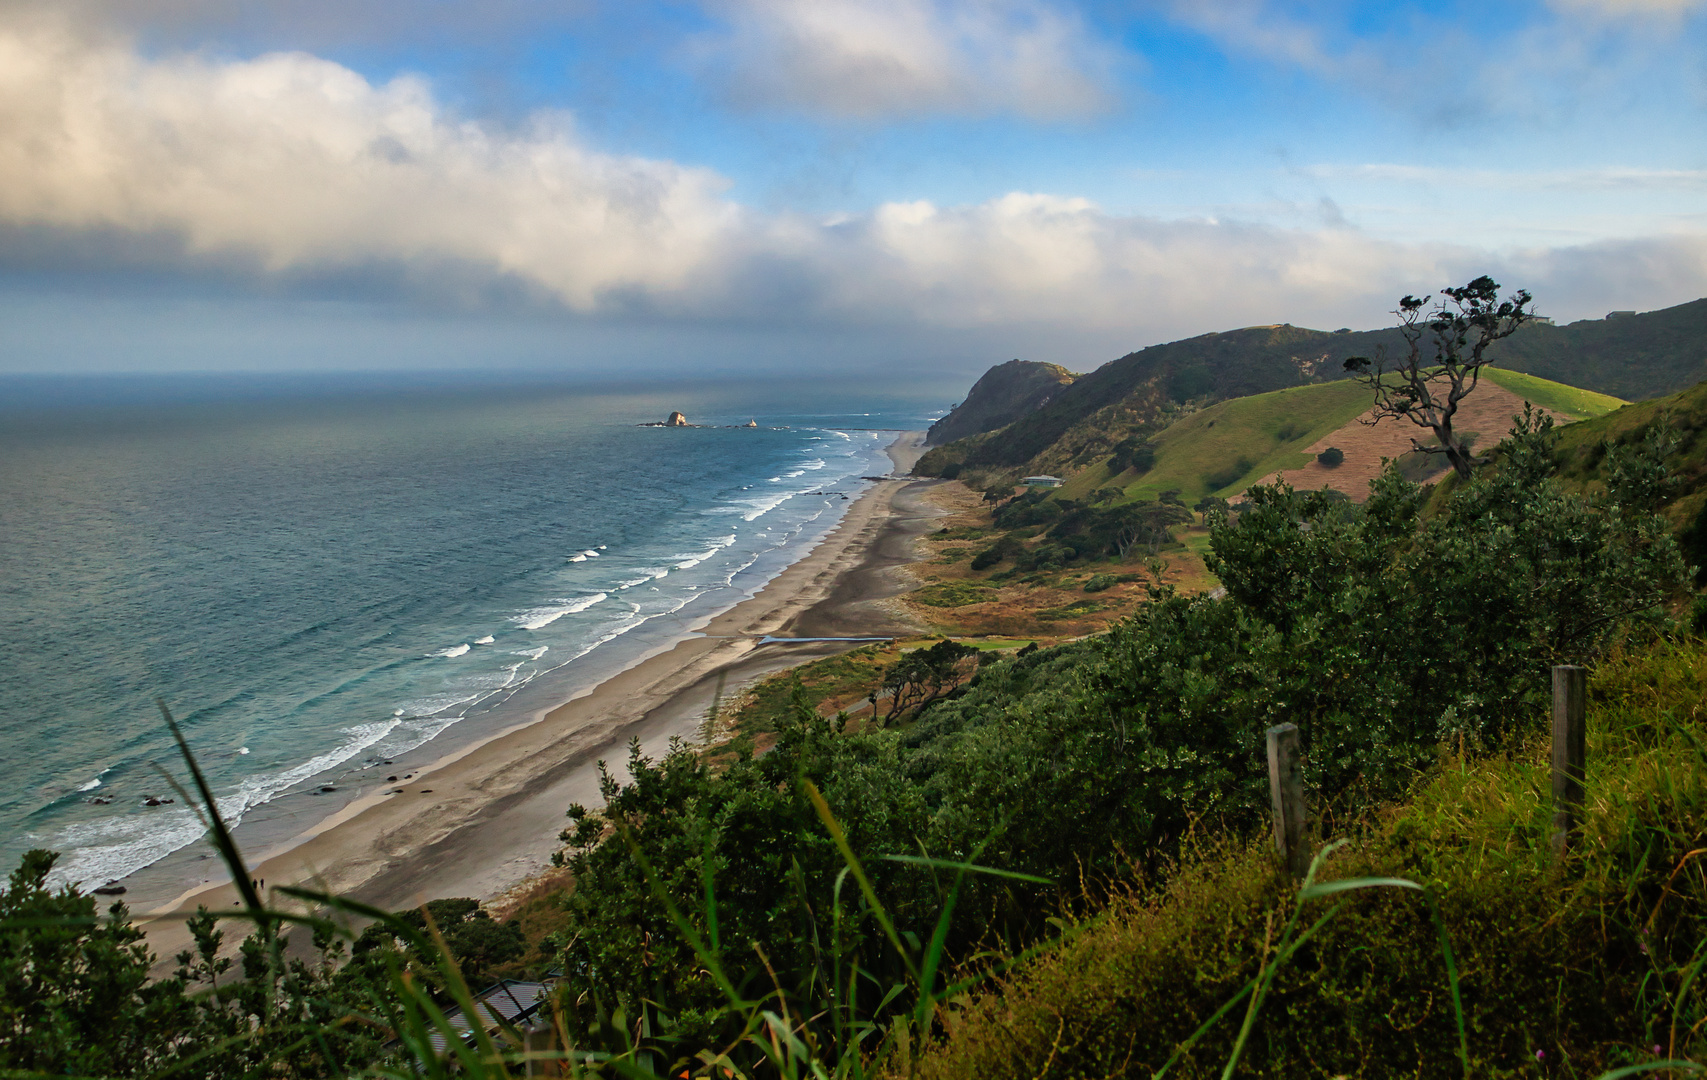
(1487, 414)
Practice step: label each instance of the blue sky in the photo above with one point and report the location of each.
(915, 186)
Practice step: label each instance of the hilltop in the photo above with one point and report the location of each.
(1137, 396)
(1632, 356)
(1004, 394)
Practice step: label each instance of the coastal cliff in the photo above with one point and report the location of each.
(1004, 394)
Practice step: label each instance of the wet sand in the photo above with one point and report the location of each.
(481, 821)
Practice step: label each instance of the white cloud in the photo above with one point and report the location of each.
(863, 58)
(293, 166)
(296, 161)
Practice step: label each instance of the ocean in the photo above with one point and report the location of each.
(321, 581)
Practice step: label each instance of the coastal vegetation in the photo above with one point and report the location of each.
(930, 859)
(1580, 366)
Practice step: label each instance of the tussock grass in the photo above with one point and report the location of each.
(1566, 968)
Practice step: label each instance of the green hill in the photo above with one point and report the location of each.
(1634, 357)
(1140, 394)
(1226, 446)
(1582, 457)
(1547, 394)
(1004, 394)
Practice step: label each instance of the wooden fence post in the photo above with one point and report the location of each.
(1286, 790)
(1570, 751)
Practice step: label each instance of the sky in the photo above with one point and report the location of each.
(907, 188)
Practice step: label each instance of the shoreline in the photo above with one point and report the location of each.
(485, 818)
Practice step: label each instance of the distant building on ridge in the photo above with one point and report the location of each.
(1042, 481)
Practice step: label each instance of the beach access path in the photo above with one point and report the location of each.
(487, 818)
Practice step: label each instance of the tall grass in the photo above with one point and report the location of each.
(1589, 966)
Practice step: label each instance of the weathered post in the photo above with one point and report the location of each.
(1570, 751)
(1286, 790)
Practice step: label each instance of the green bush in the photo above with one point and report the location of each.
(1563, 969)
(1331, 458)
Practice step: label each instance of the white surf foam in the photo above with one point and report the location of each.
(487, 640)
(454, 650)
(758, 508)
(539, 618)
(100, 851)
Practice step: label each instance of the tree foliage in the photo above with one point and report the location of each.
(921, 677)
(1425, 385)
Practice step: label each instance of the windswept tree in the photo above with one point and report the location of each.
(922, 676)
(1445, 351)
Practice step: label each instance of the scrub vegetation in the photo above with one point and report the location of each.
(926, 859)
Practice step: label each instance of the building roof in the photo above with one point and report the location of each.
(510, 1001)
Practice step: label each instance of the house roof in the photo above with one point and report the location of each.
(510, 1001)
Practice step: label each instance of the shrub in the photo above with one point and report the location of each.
(1002, 550)
(1132, 453)
(1588, 962)
(1331, 458)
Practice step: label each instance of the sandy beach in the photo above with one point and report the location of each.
(486, 818)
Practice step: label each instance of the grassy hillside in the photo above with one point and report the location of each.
(1563, 970)
(1086, 419)
(1223, 448)
(1635, 357)
(1226, 447)
(1570, 400)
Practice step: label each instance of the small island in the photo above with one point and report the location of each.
(678, 419)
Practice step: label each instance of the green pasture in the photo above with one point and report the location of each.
(1202, 454)
(1573, 402)
(1267, 431)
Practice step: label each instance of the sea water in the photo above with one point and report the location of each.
(319, 582)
